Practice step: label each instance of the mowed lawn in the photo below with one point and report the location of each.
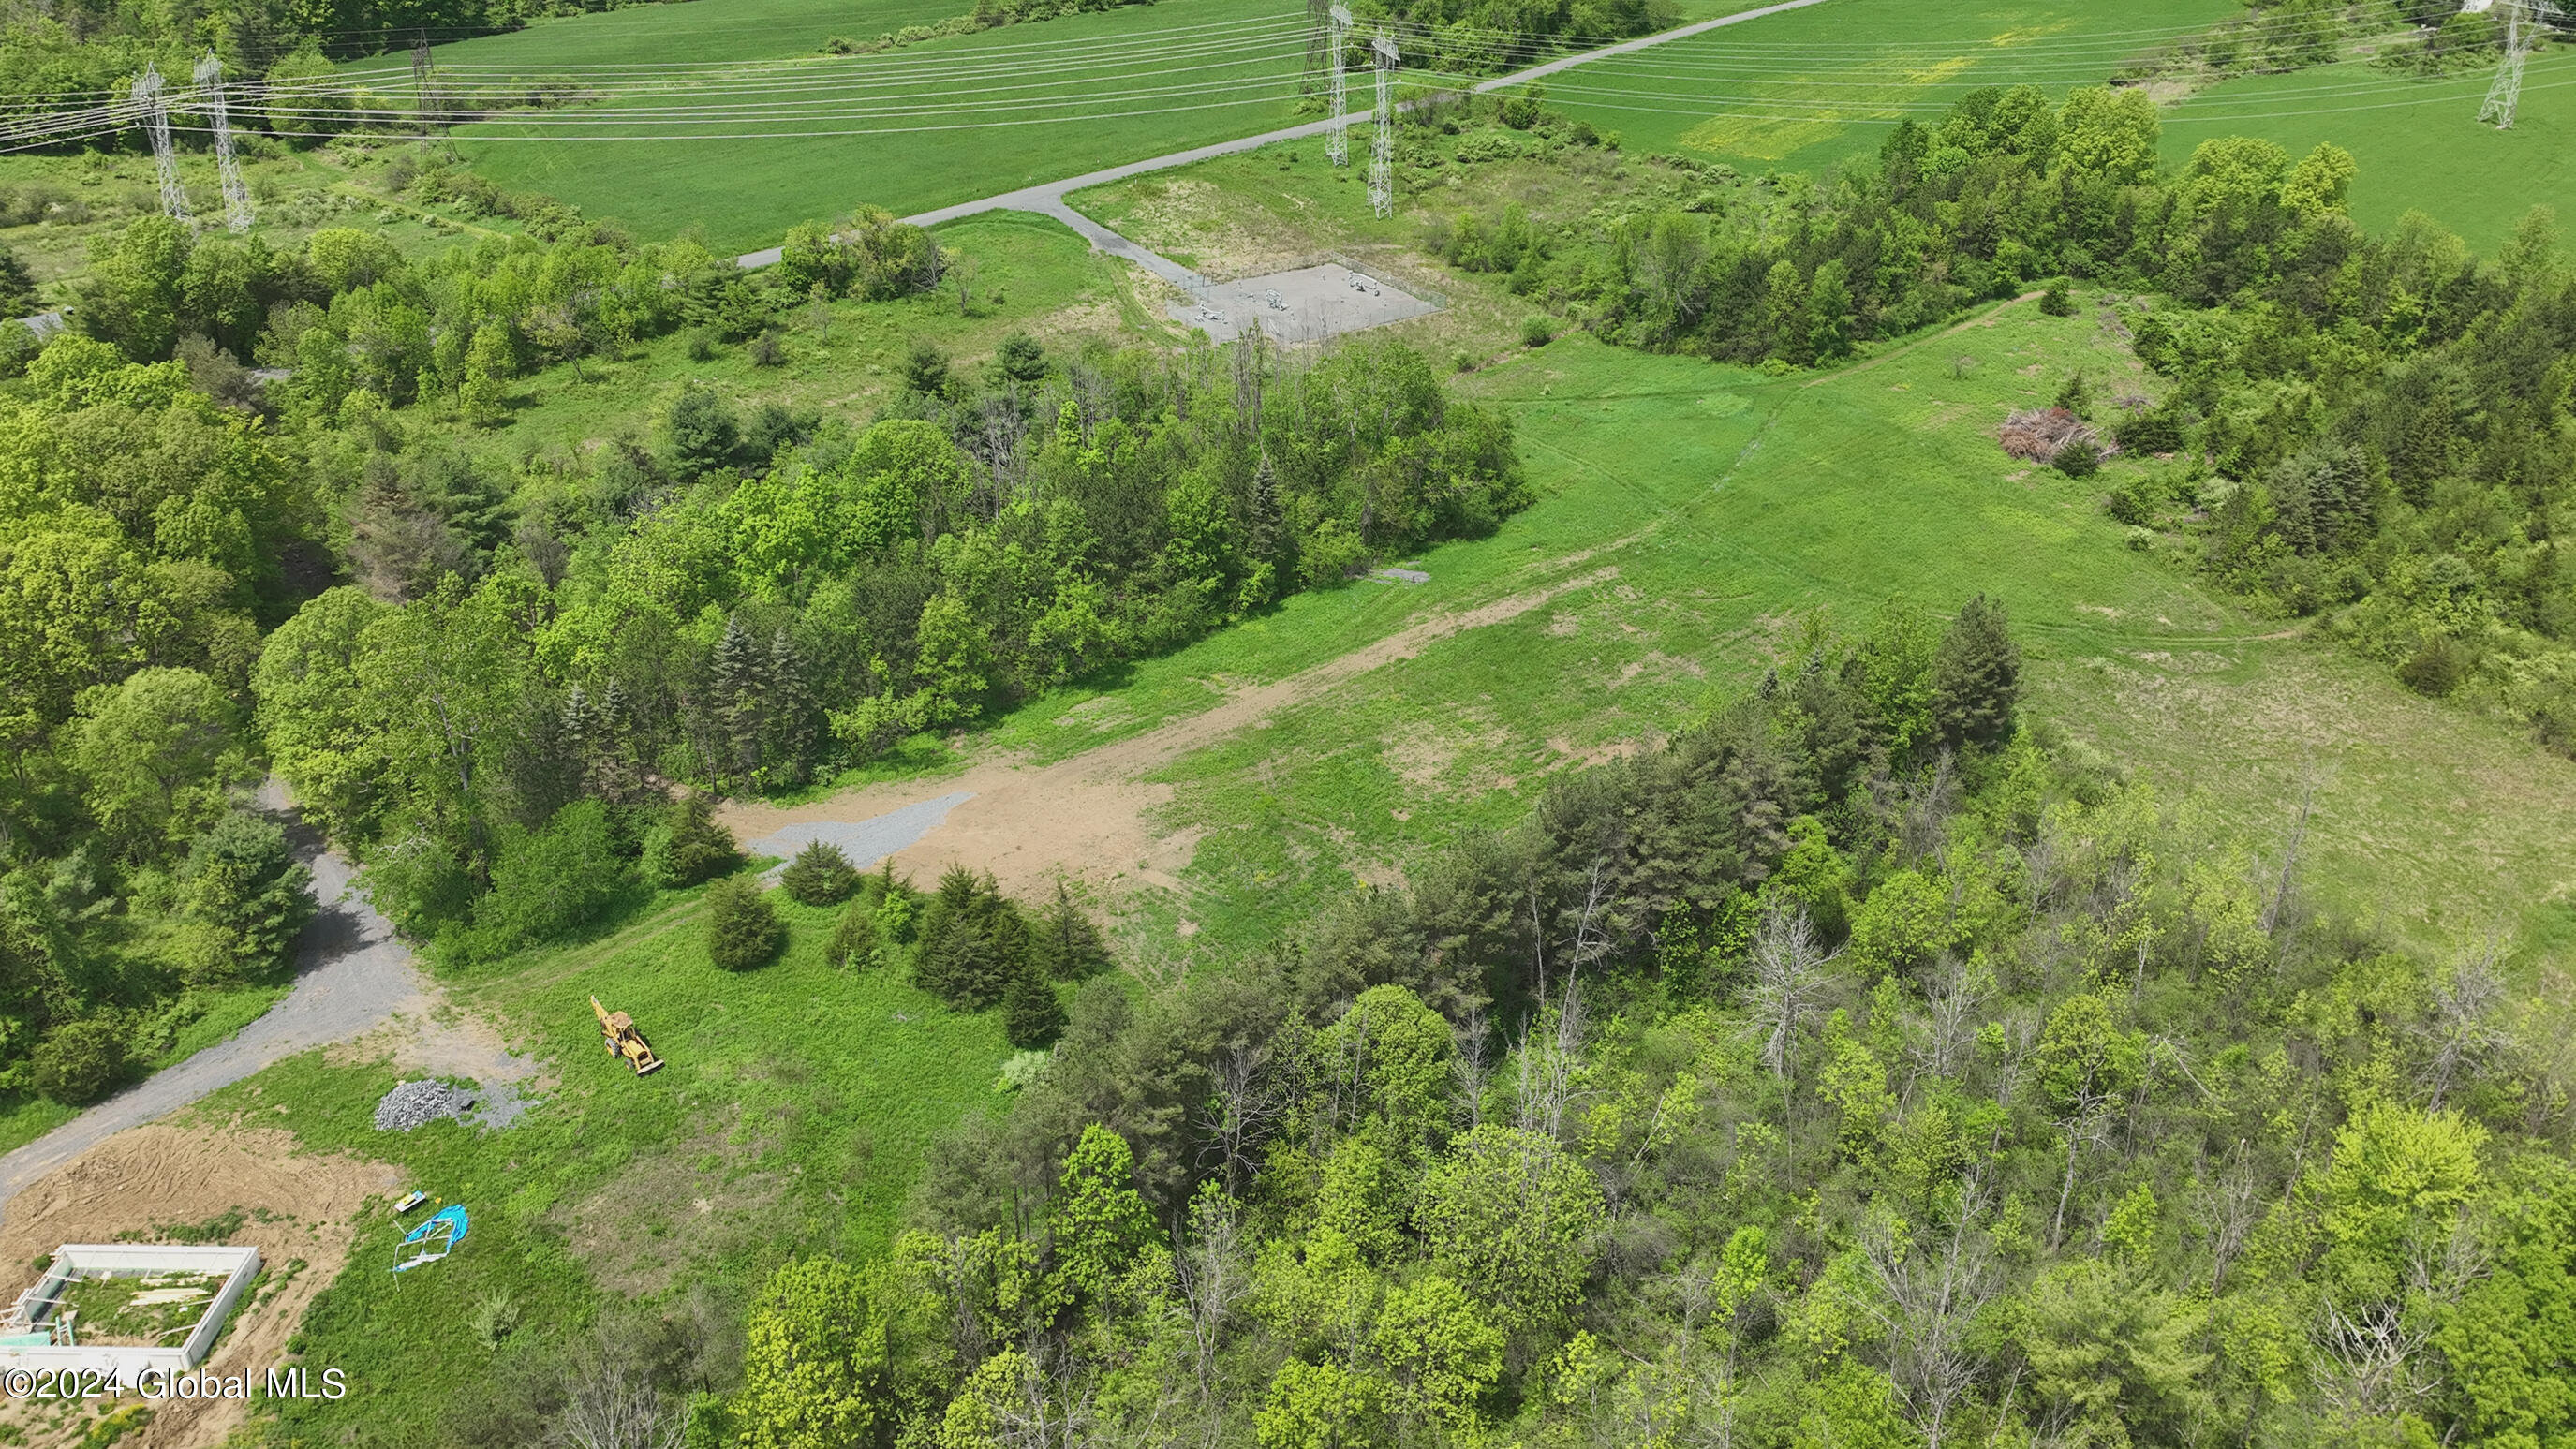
(775, 133)
(1806, 90)
(2418, 142)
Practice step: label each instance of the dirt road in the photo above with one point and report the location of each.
(1086, 816)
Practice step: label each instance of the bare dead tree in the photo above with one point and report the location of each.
(1788, 983)
(1244, 1110)
(1472, 1069)
(1547, 1062)
(1213, 1280)
(612, 1404)
(1928, 1294)
(2465, 1030)
(1952, 996)
(2280, 892)
(2226, 1208)
(2369, 1362)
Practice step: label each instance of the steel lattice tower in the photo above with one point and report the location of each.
(147, 92)
(420, 65)
(1382, 144)
(210, 81)
(1337, 136)
(2507, 90)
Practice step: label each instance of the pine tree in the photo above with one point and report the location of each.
(1031, 1014)
(1976, 677)
(819, 875)
(743, 930)
(734, 680)
(787, 730)
(1064, 945)
(690, 846)
(854, 935)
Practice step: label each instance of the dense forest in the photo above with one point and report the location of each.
(1857, 1069)
(2371, 431)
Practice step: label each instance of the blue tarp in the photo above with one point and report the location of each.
(447, 1225)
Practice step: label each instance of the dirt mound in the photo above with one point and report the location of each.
(1087, 816)
(223, 1184)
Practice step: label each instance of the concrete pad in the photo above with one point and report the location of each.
(1305, 305)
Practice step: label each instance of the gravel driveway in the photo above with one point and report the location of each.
(350, 976)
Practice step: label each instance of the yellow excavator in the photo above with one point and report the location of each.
(618, 1030)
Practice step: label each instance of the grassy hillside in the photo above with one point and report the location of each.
(1803, 91)
(2417, 140)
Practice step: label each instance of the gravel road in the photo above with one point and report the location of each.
(351, 974)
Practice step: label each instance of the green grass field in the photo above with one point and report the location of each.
(791, 1117)
(2418, 141)
(909, 129)
(1806, 90)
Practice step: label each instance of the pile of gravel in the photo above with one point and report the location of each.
(417, 1104)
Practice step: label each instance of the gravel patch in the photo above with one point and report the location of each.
(417, 1104)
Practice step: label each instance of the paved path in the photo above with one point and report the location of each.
(351, 975)
(1048, 198)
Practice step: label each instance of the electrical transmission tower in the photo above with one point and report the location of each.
(420, 66)
(1337, 136)
(147, 92)
(2522, 25)
(1382, 144)
(210, 80)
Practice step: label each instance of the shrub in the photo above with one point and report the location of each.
(854, 935)
(973, 942)
(79, 1062)
(767, 350)
(925, 368)
(2055, 301)
(820, 875)
(689, 846)
(2150, 430)
(2436, 668)
(1537, 331)
(551, 883)
(1031, 1014)
(2078, 459)
(244, 900)
(743, 930)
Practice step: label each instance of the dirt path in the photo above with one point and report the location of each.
(1086, 816)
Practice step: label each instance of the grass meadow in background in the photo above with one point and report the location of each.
(1810, 89)
(2418, 141)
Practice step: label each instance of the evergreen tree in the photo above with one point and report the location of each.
(1031, 1014)
(689, 846)
(1064, 945)
(820, 875)
(854, 935)
(973, 942)
(1976, 677)
(743, 929)
(245, 900)
(735, 677)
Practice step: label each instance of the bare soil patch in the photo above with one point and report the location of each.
(299, 1210)
(1088, 816)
